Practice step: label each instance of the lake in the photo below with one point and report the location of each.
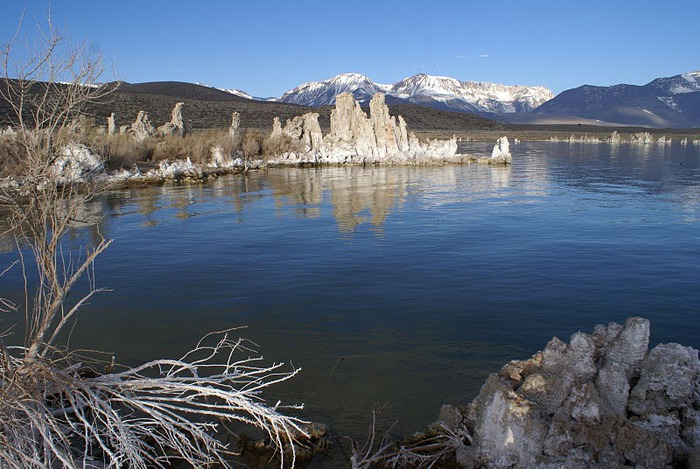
(399, 288)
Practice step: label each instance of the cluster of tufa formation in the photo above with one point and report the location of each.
(602, 400)
(142, 128)
(641, 138)
(357, 138)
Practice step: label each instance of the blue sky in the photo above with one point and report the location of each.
(267, 47)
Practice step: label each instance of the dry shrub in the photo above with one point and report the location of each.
(59, 407)
(252, 144)
(196, 146)
(10, 156)
(122, 151)
(279, 145)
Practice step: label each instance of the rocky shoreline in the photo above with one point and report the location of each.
(601, 400)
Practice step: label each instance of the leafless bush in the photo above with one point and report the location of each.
(60, 409)
(122, 151)
(196, 146)
(421, 451)
(251, 146)
(10, 156)
(153, 414)
(279, 145)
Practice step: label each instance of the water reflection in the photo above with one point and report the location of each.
(356, 195)
(89, 225)
(367, 196)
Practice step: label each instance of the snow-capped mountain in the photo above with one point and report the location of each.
(678, 84)
(236, 92)
(321, 93)
(232, 91)
(434, 91)
(664, 102)
(471, 95)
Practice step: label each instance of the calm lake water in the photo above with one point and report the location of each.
(400, 288)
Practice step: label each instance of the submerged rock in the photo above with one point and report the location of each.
(600, 400)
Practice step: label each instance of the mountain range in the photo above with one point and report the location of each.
(433, 91)
(664, 102)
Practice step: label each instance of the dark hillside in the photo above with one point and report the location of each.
(204, 107)
(420, 118)
(179, 89)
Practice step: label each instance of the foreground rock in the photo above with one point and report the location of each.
(601, 400)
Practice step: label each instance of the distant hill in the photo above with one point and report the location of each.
(204, 107)
(664, 102)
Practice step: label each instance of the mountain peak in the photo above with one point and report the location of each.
(351, 76)
(691, 76)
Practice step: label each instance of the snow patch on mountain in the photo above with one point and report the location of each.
(236, 92)
(679, 84)
(232, 91)
(668, 100)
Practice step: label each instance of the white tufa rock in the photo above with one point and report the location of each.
(176, 126)
(219, 159)
(357, 138)
(142, 127)
(583, 139)
(644, 138)
(235, 123)
(501, 151)
(76, 164)
(111, 125)
(176, 170)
